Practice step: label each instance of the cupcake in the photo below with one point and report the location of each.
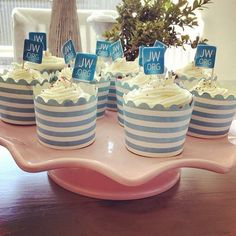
(156, 119)
(189, 75)
(119, 69)
(66, 115)
(50, 64)
(102, 84)
(126, 85)
(16, 95)
(213, 110)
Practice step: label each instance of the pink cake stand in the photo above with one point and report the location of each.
(106, 169)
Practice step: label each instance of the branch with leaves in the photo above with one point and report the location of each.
(141, 22)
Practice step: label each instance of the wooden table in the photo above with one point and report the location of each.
(201, 204)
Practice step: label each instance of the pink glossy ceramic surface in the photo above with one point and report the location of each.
(108, 159)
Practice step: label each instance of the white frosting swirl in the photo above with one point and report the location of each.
(210, 86)
(140, 80)
(62, 90)
(18, 73)
(191, 71)
(101, 65)
(66, 73)
(49, 62)
(120, 65)
(163, 92)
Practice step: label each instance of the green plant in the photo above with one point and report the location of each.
(141, 22)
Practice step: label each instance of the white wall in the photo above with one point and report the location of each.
(220, 29)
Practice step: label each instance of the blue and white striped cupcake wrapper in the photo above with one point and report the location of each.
(17, 102)
(121, 89)
(68, 125)
(102, 91)
(212, 117)
(111, 99)
(187, 82)
(156, 132)
(103, 88)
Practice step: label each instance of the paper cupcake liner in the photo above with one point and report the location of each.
(17, 101)
(156, 132)
(211, 117)
(187, 82)
(187, 78)
(103, 89)
(111, 99)
(121, 89)
(68, 125)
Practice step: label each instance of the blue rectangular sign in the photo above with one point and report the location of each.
(116, 50)
(68, 51)
(140, 56)
(159, 44)
(153, 60)
(33, 51)
(39, 37)
(205, 56)
(85, 66)
(102, 48)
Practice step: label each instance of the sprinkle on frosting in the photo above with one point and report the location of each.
(160, 91)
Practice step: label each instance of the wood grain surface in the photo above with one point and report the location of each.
(201, 204)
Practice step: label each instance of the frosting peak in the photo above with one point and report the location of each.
(49, 62)
(123, 66)
(66, 73)
(210, 86)
(191, 71)
(160, 91)
(18, 73)
(63, 89)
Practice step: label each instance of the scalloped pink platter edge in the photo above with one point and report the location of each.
(106, 169)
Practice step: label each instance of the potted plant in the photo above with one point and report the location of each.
(141, 22)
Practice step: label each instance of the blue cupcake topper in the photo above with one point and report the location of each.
(85, 66)
(159, 44)
(33, 51)
(140, 55)
(116, 50)
(205, 56)
(153, 60)
(68, 51)
(39, 37)
(102, 48)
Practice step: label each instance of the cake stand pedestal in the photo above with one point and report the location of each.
(106, 169)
